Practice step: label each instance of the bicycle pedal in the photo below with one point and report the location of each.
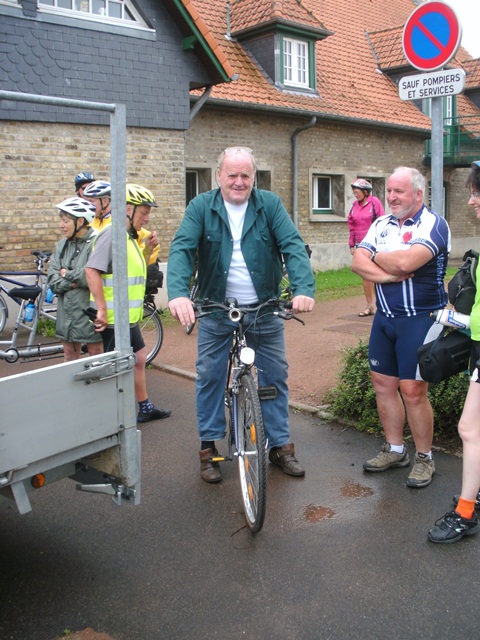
(218, 459)
(267, 393)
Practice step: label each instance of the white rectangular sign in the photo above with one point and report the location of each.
(436, 84)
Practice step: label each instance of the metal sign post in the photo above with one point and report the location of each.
(431, 37)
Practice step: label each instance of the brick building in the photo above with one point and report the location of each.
(110, 51)
(310, 86)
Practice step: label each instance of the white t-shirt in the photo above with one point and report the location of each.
(239, 282)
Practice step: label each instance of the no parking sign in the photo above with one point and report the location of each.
(431, 36)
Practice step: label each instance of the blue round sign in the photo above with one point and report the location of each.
(431, 36)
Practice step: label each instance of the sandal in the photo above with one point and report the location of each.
(369, 311)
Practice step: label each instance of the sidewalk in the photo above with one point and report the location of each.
(313, 350)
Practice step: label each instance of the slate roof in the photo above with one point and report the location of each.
(351, 85)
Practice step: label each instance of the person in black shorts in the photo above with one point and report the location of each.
(405, 254)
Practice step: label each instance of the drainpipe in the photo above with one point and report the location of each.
(311, 124)
(200, 102)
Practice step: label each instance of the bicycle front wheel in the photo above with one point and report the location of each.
(252, 462)
(3, 313)
(152, 332)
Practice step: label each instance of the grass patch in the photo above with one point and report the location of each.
(343, 283)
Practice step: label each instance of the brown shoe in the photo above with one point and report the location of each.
(209, 470)
(284, 457)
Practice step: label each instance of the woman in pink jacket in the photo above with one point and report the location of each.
(365, 210)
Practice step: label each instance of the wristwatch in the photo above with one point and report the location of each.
(372, 256)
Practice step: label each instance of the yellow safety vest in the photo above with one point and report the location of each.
(136, 278)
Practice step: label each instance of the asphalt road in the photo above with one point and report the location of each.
(343, 554)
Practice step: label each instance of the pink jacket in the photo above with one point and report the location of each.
(361, 217)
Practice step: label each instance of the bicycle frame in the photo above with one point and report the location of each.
(236, 369)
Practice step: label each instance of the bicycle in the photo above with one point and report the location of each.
(246, 434)
(27, 296)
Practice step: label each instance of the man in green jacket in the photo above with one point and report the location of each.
(241, 234)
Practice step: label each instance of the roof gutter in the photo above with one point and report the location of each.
(295, 134)
(296, 113)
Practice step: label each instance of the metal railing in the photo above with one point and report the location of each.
(461, 141)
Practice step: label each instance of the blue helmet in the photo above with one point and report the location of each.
(83, 178)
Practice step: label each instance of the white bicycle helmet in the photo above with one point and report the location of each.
(360, 183)
(78, 207)
(98, 189)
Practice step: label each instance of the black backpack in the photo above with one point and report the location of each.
(462, 287)
(154, 279)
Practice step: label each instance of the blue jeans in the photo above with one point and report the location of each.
(266, 337)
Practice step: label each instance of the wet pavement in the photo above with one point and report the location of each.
(343, 554)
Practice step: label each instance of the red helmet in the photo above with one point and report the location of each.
(360, 183)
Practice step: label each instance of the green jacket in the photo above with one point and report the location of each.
(268, 234)
(72, 324)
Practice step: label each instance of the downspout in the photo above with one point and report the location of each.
(311, 124)
(200, 102)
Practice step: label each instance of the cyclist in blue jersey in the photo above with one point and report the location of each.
(405, 254)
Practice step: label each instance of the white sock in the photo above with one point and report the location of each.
(397, 448)
(429, 454)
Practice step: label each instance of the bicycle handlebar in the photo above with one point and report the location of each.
(283, 308)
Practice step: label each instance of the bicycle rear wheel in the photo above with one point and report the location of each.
(152, 332)
(252, 462)
(3, 313)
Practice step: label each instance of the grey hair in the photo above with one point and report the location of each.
(417, 180)
(245, 151)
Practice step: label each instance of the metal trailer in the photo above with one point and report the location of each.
(82, 414)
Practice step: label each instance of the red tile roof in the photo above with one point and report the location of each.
(472, 68)
(367, 37)
(247, 14)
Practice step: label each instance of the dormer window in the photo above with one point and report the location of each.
(296, 63)
(296, 68)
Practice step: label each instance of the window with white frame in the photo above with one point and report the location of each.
(322, 194)
(327, 197)
(295, 62)
(112, 10)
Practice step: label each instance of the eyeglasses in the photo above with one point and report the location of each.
(231, 151)
(475, 194)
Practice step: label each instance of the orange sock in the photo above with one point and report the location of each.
(465, 508)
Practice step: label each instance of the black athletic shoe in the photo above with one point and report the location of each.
(477, 501)
(452, 527)
(155, 414)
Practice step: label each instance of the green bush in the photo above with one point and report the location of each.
(353, 397)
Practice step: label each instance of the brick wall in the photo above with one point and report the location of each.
(328, 148)
(40, 160)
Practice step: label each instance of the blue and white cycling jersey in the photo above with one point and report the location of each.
(426, 290)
